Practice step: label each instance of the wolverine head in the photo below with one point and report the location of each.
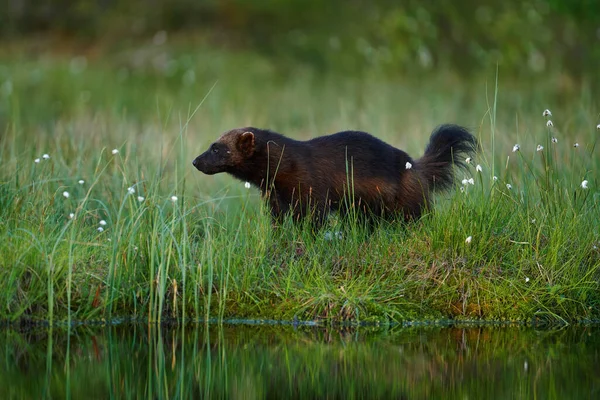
(227, 153)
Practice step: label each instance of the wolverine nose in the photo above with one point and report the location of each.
(195, 162)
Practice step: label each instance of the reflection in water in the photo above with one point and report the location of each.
(246, 362)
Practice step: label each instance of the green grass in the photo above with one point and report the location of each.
(212, 252)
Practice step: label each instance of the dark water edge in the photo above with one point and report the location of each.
(299, 361)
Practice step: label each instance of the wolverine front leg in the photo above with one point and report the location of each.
(278, 207)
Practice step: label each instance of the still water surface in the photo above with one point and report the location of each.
(255, 362)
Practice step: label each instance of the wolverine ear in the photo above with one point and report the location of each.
(246, 143)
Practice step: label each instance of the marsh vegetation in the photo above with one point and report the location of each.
(103, 216)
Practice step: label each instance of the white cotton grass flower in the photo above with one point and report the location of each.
(71, 215)
(554, 140)
(526, 279)
(247, 185)
(598, 127)
(46, 157)
(115, 151)
(37, 161)
(478, 168)
(465, 182)
(516, 148)
(546, 113)
(575, 144)
(66, 194)
(584, 184)
(333, 235)
(131, 190)
(408, 165)
(102, 222)
(100, 229)
(495, 178)
(471, 181)
(549, 124)
(539, 147)
(462, 189)
(174, 199)
(141, 198)
(468, 239)
(81, 182)
(508, 186)
(468, 160)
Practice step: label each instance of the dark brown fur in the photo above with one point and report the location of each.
(347, 170)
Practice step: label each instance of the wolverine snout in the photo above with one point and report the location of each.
(201, 164)
(196, 163)
(205, 165)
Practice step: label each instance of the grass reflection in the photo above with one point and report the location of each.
(133, 361)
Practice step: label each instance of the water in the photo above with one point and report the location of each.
(255, 362)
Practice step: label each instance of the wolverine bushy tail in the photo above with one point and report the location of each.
(449, 145)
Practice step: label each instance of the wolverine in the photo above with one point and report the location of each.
(348, 171)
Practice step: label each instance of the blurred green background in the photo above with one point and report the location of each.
(533, 37)
(424, 61)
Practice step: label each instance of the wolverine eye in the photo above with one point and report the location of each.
(214, 150)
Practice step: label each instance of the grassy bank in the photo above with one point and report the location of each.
(116, 222)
